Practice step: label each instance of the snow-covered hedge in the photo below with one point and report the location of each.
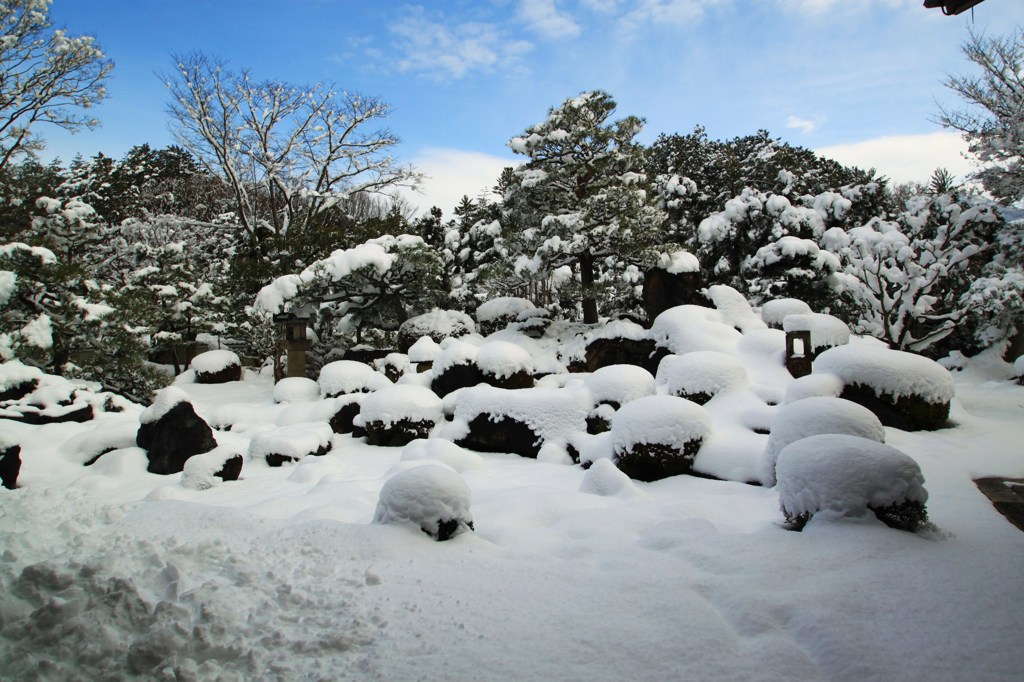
(701, 375)
(658, 436)
(348, 376)
(689, 328)
(397, 415)
(835, 476)
(432, 497)
(815, 416)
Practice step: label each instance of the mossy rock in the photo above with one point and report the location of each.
(397, 434)
(655, 461)
(908, 413)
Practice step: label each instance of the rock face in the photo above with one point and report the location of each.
(341, 422)
(664, 290)
(489, 433)
(10, 465)
(604, 352)
(18, 391)
(223, 376)
(173, 438)
(231, 470)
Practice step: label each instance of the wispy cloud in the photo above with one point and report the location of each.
(452, 174)
(804, 125)
(544, 17)
(453, 50)
(905, 158)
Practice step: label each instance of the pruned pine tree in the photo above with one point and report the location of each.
(585, 186)
(47, 77)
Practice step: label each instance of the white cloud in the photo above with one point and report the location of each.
(544, 17)
(453, 50)
(804, 125)
(905, 158)
(452, 174)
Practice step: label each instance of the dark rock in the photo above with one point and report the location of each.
(603, 352)
(699, 397)
(488, 433)
(18, 391)
(232, 372)
(231, 470)
(341, 422)
(520, 379)
(366, 355)
(908, 413)
(173, 438)
(10, 466)
(422, 367)
(398, 434)
(596, 424)
(37, 415)
(456, 377)
(655, 461)
(446, 529)
(664, 290)
(276, 459)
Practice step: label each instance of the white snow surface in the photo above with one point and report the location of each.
(1018, 367)
(424, 350)
(398, 402)
(213, 361)
(422, 496)
(503, 307)
(605, 479)
(814, 385)
(348, 376)
(659, 419)
(827, 331)
(734, 308)
(620, 384)
(702, 371)
(296, 390)
(295, 440)
(502, 359)
(15, 372)
(774, 312)
(110, 572)
(815, 416)
(888, 371)
(553, 414)
(841, 475)
(200, 470)
(688, 328)
(165, 399)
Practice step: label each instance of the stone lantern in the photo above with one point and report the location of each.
(798, 360)
(296, 344)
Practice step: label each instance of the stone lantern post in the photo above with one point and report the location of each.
(296, 344)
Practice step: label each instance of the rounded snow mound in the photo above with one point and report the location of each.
(502, 308)
(454, 352)
(424, 350)
(401, 402)
(774, 312)
(827, 331)
(348, 376)
(165, 399)
(214, 361)
(845, 476)
(734, 308)
(620, 384)
(701, 375)
(296, 390)
(443, 451)
(1018, 367)
(432, 497)
(604, 478)
(502, 359)
(659, 420)
(621, 329)
(688, 328)
(816, 416)
(888, 371)
(291, 442)
(15, 372)
(438, 324)
(813, 385)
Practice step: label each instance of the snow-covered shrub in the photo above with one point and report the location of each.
(431, 497)
(815, 416)
(296, 390)
(813, 385)
(437, 324)
(734, 308)
(689, 328)
(455, 367)
(500, 312)
(1018, 369)
(425, 350)
(342, 377)
(397, 415)
(616, 385)
(489, 419)
(223, 463)
(505, 365)
(658, 436)
(291, 443)
(904, 390)
(216, 367)
(393, 365)
(620, 342)
(701, 375)
(774, 312)
(533, 323)
(827, 331)
(835, 476)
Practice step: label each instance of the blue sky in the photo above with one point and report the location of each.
(856, 79)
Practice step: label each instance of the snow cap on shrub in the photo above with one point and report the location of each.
(432, 497)
(688, 328)
(888, 371)
(348, 376)
(214, 361)
(661, 420)
(396, 403)
(620, 384)
(502, 359)
(705, 372)
(296, 390)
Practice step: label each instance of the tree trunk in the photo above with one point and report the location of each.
(587, 280)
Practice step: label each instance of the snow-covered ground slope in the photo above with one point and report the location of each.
(110, 571)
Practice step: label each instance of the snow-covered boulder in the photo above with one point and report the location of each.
(344, 412)
(689, 328)
(223, 463)
(815, 416)
(437, 324)
(296, 390)
(489, 419)
(432, 497)
(675, 281)
(773, 313)
(455, 367)
(505, 365)
(658, 436)
(394, 365)
(621, 342)
(397, 415)
(17, 380)
(170, 432)
(904, 390)
(605, 479)
(827, 331)
(39, 398)
(10, 461)
(424, 352)
(291, 443)
(834, 476)
(500, 312)
(216, 367)
(701, 375)
(616, 385)
(342, 377)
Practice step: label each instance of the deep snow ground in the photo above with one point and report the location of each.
(110, 572)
